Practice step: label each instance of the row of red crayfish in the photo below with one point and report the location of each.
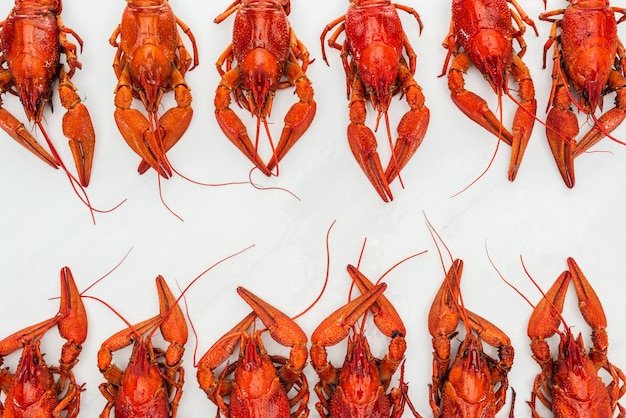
(470, 384)
(265, 56)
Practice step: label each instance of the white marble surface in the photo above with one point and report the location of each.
(45, 227)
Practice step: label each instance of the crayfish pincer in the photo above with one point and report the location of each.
(32, 40)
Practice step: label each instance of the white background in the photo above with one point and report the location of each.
(45, 227)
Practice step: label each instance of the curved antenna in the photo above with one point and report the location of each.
(258, 187)
(493, 156)
(115, 312)
(158, 320)
(398, 264)
(435, 236)
(459, 304)
(379, 280)
(193, 281)
(76, 185)
(543, 294)
(319, 296)
(108, 272)
(105, 275)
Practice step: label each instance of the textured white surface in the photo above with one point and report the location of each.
(45, 227)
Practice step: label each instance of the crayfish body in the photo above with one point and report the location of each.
(257, 384)
(33, 39)
(569, 385)
(588, 58)
(473, 384)
(482, 33)
(33, 390)
(360, 388)
(151, 384)
(268, 57)
(373, 56)
(151, 60)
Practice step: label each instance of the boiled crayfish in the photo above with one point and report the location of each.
(258, 384)
(376, 70)
(33, 390)
(473, 384)
(151, 60)
(360, 387)
(268, 57)
(589, 58)
(569, 385)
(32, 40)
(482, 33)
(151, 384)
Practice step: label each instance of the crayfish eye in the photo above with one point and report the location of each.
(35, 361)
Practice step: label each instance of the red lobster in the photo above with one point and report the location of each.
(376, 71)
(482, 33)
(569, 385)
(257, 384)
(590, 58)
(33, 389)
(267, 52)
(151, 60)
(473, 384)
(360, 387)
(32, 40)
(151, 384)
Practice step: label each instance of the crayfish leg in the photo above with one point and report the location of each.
(231, 124)
(363, 142)
(78, 128)
(412, 127)
(300, 116)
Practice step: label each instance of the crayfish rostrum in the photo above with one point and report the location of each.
(258, 384)
(151, 384)
(360, 388)
(379, 63)
(268, 57)
(473, 384)
(33, 39)
(588, 58)
(33, 390)
(569, 384)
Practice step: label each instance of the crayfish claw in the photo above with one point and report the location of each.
(444, 316)
(363, 145)
(282, 328)
(16, 130)
(546, 317)
(385, 315)
(588, 301)
(73, 318)
(174, 326)
(337, 325)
